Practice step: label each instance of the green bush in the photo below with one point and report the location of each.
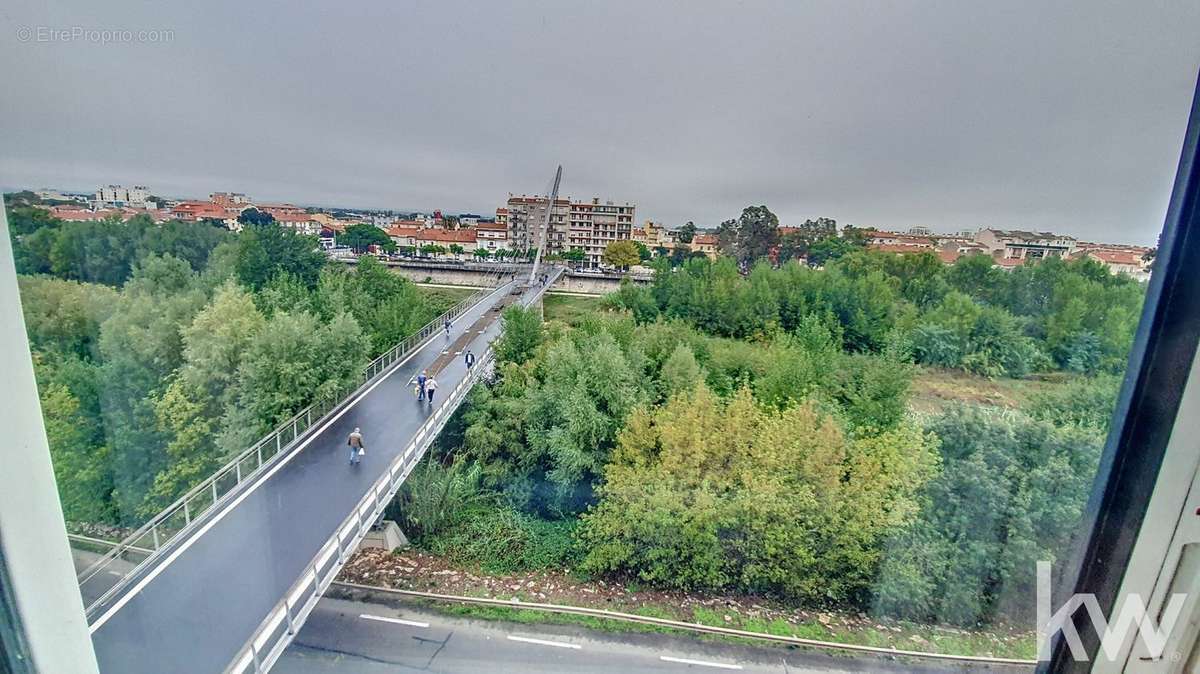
(936, 345)
(502, 539)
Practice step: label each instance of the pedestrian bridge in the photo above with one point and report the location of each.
(235, 566)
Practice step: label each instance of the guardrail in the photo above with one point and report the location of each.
(179, 517)
(282, 623)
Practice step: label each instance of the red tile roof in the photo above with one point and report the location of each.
(447, 235)
(1116, 257)
(398, 231)
(285, 216)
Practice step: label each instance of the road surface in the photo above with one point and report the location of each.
(365, 638)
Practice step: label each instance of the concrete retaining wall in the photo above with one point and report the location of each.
(474, 274)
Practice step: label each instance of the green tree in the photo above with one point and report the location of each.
(141, 345)
(680, 373)
(102, 251)
(796, 244)
(753, 235)
(686, 232)
(64, 316)
(644, 253)
(521, 336)
(292, 361)
(192, 242)
(621, 254)
(362, 236)
(81, 469)
(267, 250)
(253, 216)
(201, 391)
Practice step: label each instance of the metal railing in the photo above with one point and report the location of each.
(282, 623)
(179, 517)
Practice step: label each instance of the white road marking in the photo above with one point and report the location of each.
(698, 663)
(141, 585)
(398, 621)
(543, 642)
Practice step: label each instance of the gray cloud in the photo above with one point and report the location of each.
(1065, 116)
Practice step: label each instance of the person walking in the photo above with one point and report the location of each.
(430, 387)
(357, 449)
(422, 379)
(469, 359)
(447, 326)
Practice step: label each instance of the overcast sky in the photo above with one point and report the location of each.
(1066, 116)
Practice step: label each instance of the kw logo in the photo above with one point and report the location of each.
(1131, 615)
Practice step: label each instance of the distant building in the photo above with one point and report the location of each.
(446, 238)
(584, 226)
(705, 243)
(206, 210)
(882, 240)
(491, 236)
(1021, 245)
(1119, 259)
(593, 226)
(229, 199)
(328, 222)
(116, 195)
(301, 223)
(403, 236)
(277, 210)
(920, 231)
(526, 217)
(654, 235)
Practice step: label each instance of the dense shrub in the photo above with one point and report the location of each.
(712, 494)
(1010, 493)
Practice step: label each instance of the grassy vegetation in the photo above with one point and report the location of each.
(447, 296)
(570, 308)
(933, 387)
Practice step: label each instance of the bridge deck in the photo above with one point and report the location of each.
(194, 609)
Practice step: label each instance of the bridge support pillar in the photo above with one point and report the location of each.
(387, 535)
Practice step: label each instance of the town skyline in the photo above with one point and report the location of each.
(1066, 118)
(490, 213)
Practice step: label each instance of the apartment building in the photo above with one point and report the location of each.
(491, 236)
(229, 199)
(587, 226)
(117, 195)
(594, 225)
(526, 217)
(1021, 245)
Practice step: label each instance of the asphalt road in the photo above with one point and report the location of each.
(366, 638)
(191, 612)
